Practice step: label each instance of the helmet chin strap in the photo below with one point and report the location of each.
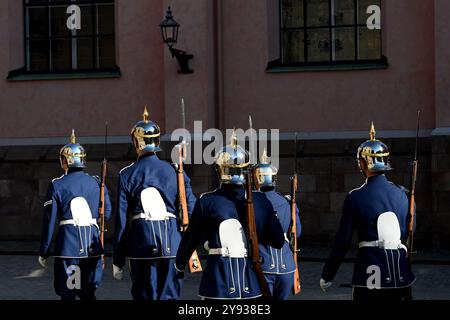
(363, 174)
(63, 163)
(362, 168)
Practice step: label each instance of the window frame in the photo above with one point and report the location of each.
(357, 63)
(94, 37)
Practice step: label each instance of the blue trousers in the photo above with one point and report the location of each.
(154, 279)
(280, 285)
(90, 276)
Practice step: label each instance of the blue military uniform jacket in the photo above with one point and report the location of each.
(228, 277)
(141, 238)
(362, 208)
(64, 194)
(279, 261)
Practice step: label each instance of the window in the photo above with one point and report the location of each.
(50, 46)
(327, 32)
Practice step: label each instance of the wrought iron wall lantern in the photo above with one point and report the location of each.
(169, 29)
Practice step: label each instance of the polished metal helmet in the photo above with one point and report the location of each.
(231, 162)
(146, 134)
(74, 153)
(374, 153)
(265, 174)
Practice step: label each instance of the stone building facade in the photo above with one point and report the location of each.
(239, 69)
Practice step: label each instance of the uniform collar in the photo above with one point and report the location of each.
(238, 192)
(380, 177)
(74, 170)
(269, 191)
(147, 155)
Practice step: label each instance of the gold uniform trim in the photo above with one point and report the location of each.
(79, 155)
(265, 173)
(378, 155)
(242, 165)
(140, 135)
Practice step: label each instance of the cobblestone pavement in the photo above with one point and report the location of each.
(21, 278)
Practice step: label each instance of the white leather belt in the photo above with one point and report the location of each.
(226, 253)
(92, 222)
(382, 244)
(147, 217)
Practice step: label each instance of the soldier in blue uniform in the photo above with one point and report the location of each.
(146, 227)
(278, 264)
(378, 212)
(218, 222)
(72, 203)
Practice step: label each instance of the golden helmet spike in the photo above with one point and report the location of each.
(372, 132)
(234, 140)
(264, 157)
(73, 139)
(145, 115)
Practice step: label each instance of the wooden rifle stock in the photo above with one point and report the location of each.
(253, 238)
(412, 207)
(194, 261)
(412, 192)
(293, 233)
(410, 239)
(101, 209)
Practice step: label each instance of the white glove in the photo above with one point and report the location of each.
(325, 284)
(117, 272)
(42, 261)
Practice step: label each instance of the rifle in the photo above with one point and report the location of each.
(410, 239)
(101, 209)
(252, 236)
(411, 209)
(194, 261)
(293, 227)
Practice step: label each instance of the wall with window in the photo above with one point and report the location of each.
(442, 11)
(328, 100)
(107, 70)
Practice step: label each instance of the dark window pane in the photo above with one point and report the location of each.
(293, 46)
(318, 13)
(344, 13)
(344, 44)
(362, 9)
(58, 20)
(64, 49)
(369, 44)
(86, 21)
(37, 22)
(38, 55)
(61, 55)
(318, 45)
(106, 52)
(292, 13)
(85, 53)
(105, 19)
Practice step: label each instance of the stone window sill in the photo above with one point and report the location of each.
(21, 75)
(277, 66)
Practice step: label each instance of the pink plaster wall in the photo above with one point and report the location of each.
(52, 108)
(329, 101)
(442, 11)
(303, 101)
(197, 89)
